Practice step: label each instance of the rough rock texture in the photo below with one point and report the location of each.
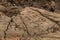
(30, 24)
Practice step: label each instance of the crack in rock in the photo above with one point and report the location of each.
(25, 26)
(7, 29)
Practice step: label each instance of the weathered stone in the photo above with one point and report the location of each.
(2, 9)
(4, 20)
(30, 24)
(16, 28)
(35, 22)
